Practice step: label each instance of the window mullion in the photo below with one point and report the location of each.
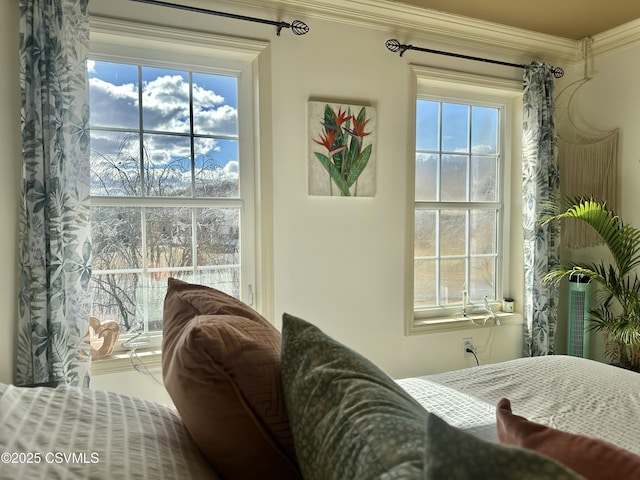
(194, 212)
(438, 261)
(467, 227)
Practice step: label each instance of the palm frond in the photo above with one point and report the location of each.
(623, 241)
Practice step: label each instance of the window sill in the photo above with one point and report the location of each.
(420, 326)
(122, 362)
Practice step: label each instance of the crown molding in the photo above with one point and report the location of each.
(616, 38)
(431, 25)
(404, 22)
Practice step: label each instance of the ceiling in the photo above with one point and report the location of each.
(574, 19)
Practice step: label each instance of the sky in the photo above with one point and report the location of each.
(460, 131)
(114, 91)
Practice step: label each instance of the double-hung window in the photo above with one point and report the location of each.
(172, 180)
(460, 238)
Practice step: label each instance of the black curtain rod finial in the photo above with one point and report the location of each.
(395, 46)
(298, 27)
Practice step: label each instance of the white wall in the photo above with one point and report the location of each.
(611, 100)
(337, 262)
(148, 386)
(10, 166)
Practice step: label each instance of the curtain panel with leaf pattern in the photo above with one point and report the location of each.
(55, 247)
(540, 188)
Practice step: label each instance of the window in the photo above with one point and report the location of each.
(460, 233)
(172, 184)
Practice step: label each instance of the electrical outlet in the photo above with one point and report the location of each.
(467, 343)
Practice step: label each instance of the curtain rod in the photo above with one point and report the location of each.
(395, 46)
(297, 27)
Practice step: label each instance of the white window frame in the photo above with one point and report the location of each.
(128, 42)
(461, 87)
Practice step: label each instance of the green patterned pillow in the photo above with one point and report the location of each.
(352, 421)
(349, 420)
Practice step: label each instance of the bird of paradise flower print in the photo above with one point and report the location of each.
(343, 148)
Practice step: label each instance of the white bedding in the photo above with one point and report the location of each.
(77, 433)
(568, 393)
(80, 433)
(456, 408)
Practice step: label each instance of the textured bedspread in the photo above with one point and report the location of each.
(79, 433)
(568, 393)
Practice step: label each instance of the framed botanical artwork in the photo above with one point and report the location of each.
(342, 149)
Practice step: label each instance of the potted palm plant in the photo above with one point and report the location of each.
(615, 308)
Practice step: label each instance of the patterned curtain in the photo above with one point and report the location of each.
(55, 248)
(541, 185)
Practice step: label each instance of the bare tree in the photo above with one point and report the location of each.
(125, 254)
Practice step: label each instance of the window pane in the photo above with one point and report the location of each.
(114, 298)
(116, 238)
(452, 283)
(484, 178)
(426, 177)
(224, 278)
(218, 236)
(453, 231)
(150, 292)
(216, 168)
(483, 224)
(215, 104)
(427, 125)
(454, 178)
(113, 94)
(115, 163)
(167, 166)
(425, 237)
(483, 278)
(484, 130)
(134, 300)
(169, 237)
(455, 128)
(165, 100)
(424, 283)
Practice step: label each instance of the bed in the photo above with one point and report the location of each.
(251, 402)
(568, 393)
(68, 432)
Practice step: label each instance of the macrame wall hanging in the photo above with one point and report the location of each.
(587, 160)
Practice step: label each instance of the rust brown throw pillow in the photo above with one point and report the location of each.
(592, 458)
(221, 367)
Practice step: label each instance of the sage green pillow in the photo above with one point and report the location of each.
(350, 420)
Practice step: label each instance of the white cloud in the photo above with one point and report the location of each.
(113, 105)
(231, 170)
(165, 103)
